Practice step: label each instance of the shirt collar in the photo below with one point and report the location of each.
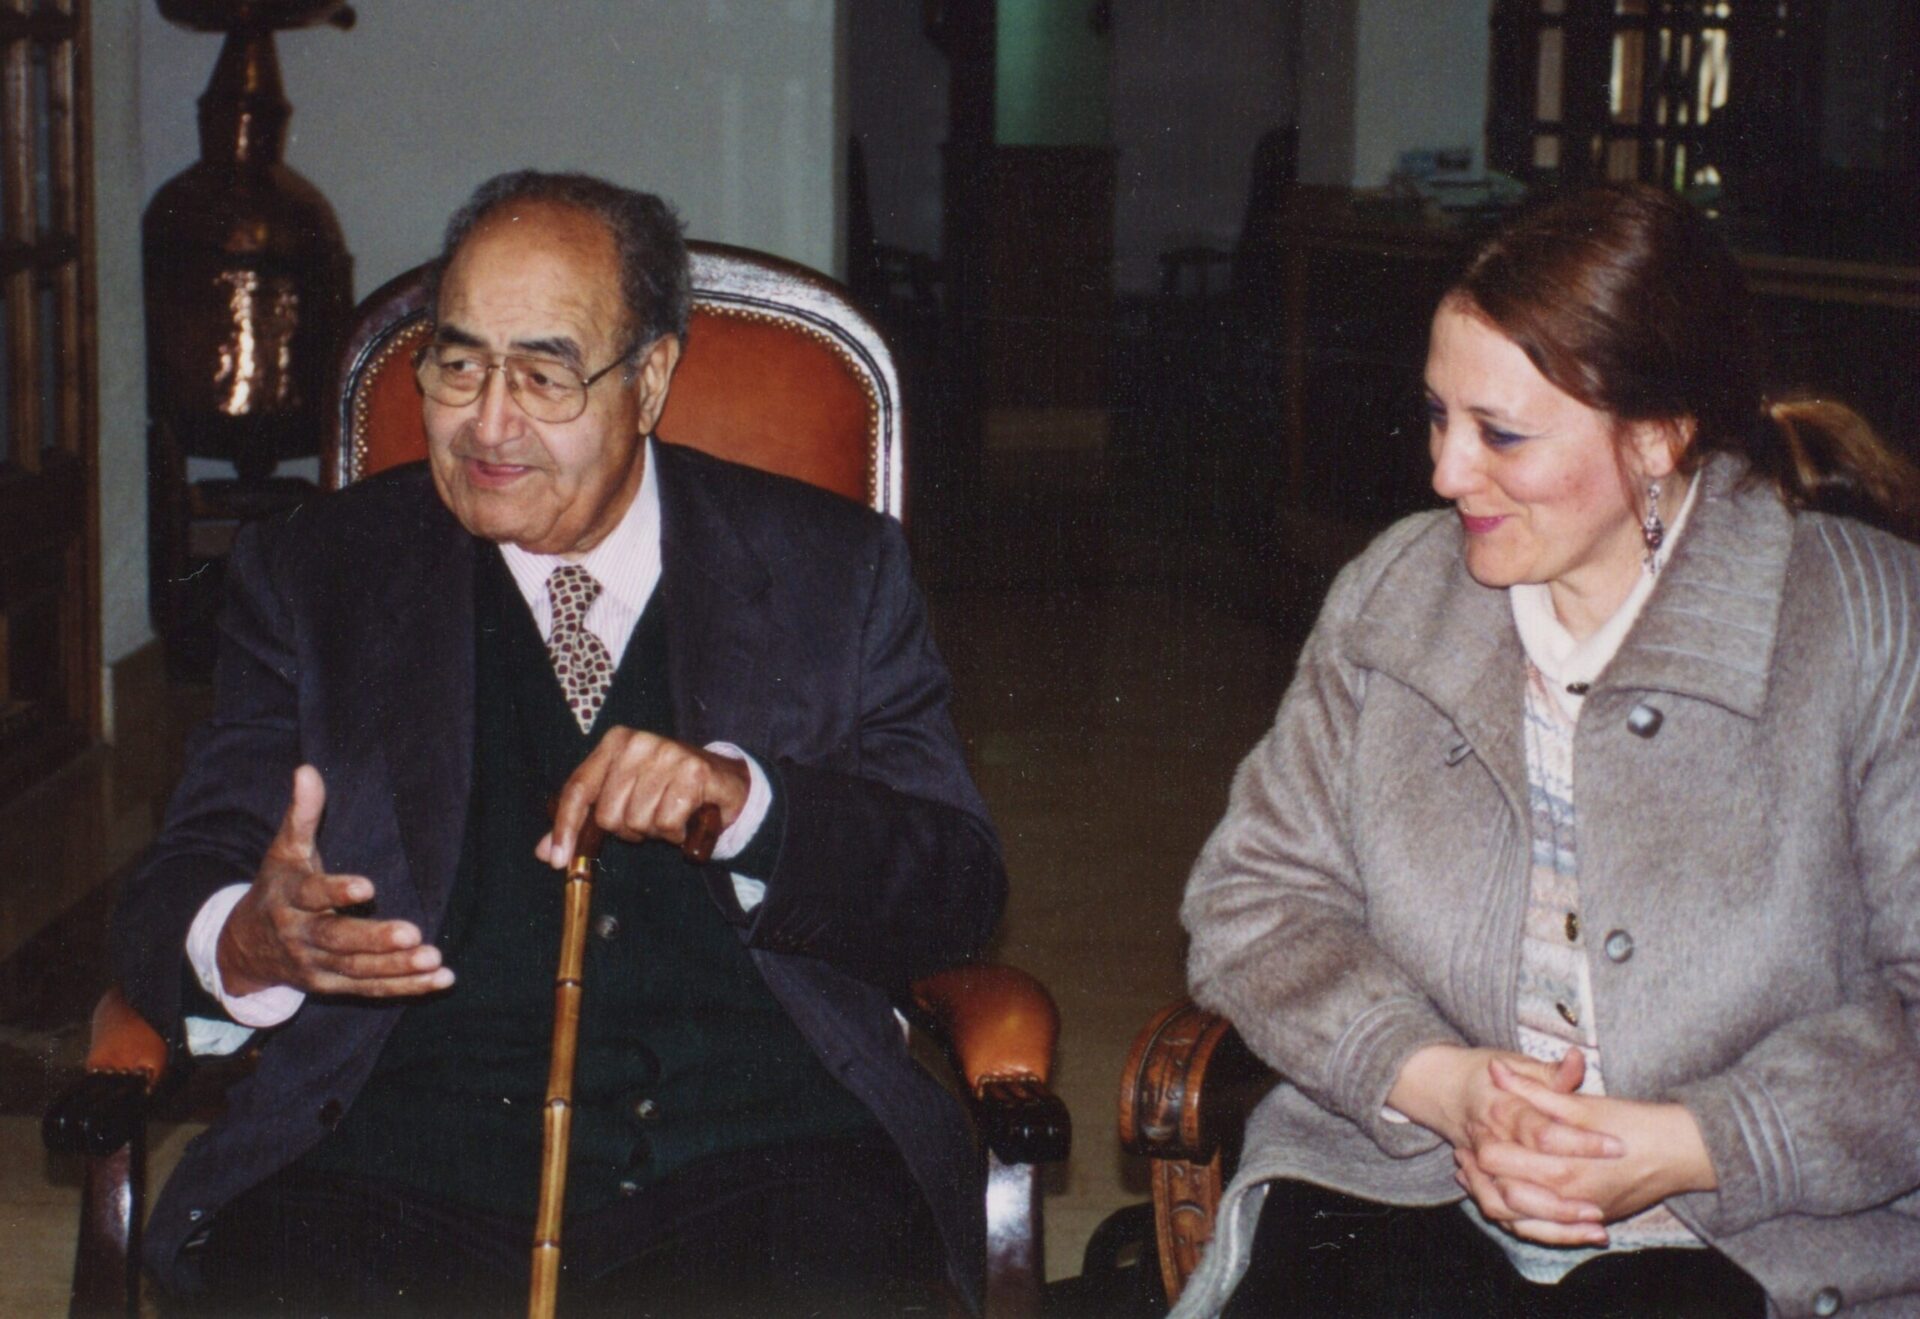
(626, 562)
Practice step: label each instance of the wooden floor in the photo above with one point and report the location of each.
(1112, 663)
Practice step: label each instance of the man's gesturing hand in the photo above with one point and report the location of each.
(286, 930)
(638, 786)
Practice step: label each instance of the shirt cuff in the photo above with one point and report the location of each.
(268, 1007)
(735, 838)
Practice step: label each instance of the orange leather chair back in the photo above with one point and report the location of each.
(780, 371)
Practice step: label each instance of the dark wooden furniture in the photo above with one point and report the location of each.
(248, 284)
(1185, 1094)
(780, 371)
(49, 485)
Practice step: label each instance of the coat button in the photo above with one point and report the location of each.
(629, 1188)
(1619, 945)
(646, 1110)
(607, 927)
(330, 1114)
(1827, 1301)
(1643, 721)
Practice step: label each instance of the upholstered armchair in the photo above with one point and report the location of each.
(780, 371)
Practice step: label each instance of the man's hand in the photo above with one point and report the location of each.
(286, 930)
(638, 786)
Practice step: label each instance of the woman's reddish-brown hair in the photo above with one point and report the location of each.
(1624, 297)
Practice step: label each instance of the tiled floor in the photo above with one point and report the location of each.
(1104, 707)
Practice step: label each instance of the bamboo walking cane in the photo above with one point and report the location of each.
(703, 829)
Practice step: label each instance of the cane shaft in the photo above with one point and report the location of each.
(557, 1117)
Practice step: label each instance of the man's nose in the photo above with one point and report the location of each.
(500, 417)
(1456, 468)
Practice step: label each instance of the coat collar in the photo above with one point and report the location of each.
(713, 584)
(1707, 631)
(421, 624)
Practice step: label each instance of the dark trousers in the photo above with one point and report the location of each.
(831, 1228)
(1318, 1252)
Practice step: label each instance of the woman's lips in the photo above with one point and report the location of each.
(1479, 526)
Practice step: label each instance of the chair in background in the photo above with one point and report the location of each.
(781, 372)
(1185, 1095)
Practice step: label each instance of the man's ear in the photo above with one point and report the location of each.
(653, 376)
(1658, 446)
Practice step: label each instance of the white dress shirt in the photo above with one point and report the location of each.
(626, 563)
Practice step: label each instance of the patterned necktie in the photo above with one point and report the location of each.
(580, 659)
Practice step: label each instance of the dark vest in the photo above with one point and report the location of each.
(684, 1052)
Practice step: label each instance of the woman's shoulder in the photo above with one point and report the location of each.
(1859, 580)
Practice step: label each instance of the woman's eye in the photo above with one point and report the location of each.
(1499, 439)
(1436, 416)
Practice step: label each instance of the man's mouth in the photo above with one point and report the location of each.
(493, 475)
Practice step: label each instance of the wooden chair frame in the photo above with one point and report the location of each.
(1185, 1095)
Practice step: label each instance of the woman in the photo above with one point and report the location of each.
(1576, 890)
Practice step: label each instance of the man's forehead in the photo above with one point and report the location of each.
(538, 279)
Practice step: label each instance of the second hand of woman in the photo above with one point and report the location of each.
(1660, 1154)
(1455, 1092)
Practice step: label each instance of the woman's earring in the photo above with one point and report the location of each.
(1652, 530)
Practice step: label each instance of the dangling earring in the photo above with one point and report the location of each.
(1652, 530)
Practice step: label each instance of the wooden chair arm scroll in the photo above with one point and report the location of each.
(1185, 1094)
(999, 1025)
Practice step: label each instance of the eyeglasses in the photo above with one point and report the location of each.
(546, 389)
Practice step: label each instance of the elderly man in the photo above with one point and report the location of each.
(359, 864)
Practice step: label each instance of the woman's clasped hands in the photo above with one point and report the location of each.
(1540, 1159)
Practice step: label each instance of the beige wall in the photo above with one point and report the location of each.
(730, 108)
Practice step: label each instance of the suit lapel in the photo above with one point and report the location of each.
(426, 617)
(712, 585)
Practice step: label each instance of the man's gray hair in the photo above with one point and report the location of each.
(647, 235)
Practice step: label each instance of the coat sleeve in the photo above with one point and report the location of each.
(1822, 1115)
(1276, 908)
(239, 770)
(887, 868)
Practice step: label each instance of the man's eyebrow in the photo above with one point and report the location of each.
(563, 348)
(453, 334)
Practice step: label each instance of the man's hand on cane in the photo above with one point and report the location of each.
(636, 786)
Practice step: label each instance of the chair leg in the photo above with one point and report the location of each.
(1185, 1198)
(1016, 1261)
(106, 1265)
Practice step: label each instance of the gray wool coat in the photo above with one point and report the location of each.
(1745, 774)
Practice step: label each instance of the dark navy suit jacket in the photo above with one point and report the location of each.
(795, 632)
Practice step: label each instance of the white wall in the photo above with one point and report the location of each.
(1422, 81)
(1194, 87)
(725, 107)
(119, 196)
(729, 108)
(1378, 77)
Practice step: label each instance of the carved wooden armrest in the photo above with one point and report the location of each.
(1185, 1094)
